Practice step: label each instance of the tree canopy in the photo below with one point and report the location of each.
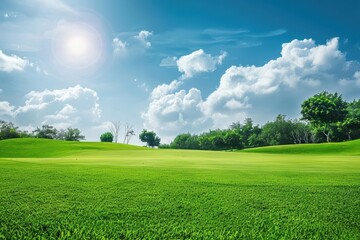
(8, 130)
(150, 138)
(323, 110)
(106, 137)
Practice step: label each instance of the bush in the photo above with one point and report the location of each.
(106, 137)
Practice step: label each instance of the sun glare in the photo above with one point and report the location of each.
(77, 46)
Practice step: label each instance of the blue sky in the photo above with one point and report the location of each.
(171, 66)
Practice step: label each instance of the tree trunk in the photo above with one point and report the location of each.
(327, 136)
(349, 135)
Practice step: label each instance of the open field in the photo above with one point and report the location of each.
(53, 189)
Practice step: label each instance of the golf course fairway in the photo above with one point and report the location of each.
(53, 189)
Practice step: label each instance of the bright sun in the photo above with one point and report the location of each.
(77, 46)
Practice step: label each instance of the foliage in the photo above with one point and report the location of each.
(150, 138)
(106, 137)
(351, 124)
(8, 130)
(300, 132)
(73, 134)
(185, 141)
(164, 146)
(238, 136)
(277, 132)
(324, 110)
(46, 131)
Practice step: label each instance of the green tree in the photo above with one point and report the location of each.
(73, 134)
(8, 130)
(300, 132)
(277, 132)
(185, 141)
(106, 137)
(255, 139)
(323, 111)
(46, 131)
(246, 131)
(205, 142)
(180, 141)
(233, 140)
(150, 138)
(351, 124)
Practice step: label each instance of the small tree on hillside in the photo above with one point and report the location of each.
(73, 134)
(8, 130)
(46, 131)
(106, 137)
(150, 138)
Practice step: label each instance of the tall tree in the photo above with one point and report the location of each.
(246, 130)
(181, 141)
(351, 124)
(300, 132)
(46, 131)
(129, 132)
(323, 110)
(277, 132)
(150, 138)
(73, 134)
(114, 128)
(8, 130)
(232, 139)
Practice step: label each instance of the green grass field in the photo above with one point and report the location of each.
(66, 190)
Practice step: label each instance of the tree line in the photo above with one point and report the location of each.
(326, 117)
(8, 130)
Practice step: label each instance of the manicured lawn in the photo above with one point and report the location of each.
(52, 189)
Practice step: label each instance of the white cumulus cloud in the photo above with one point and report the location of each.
(198, 62)
(144, 36)
(6, 109)
(131, 43)
(176, 111)
(119, 46)
(12, 63)
(164, 89)
(73, 106)
(62, 114)
(302, 64)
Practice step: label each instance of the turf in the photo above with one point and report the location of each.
(111, 191)
(40, 148)
(344, 148)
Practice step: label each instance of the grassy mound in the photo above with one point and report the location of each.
(177, 194)
(115, 191)
(343, 148)
(40, 148)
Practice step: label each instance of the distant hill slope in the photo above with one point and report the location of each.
(348, 148)
(38, 148)
(42, 148)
